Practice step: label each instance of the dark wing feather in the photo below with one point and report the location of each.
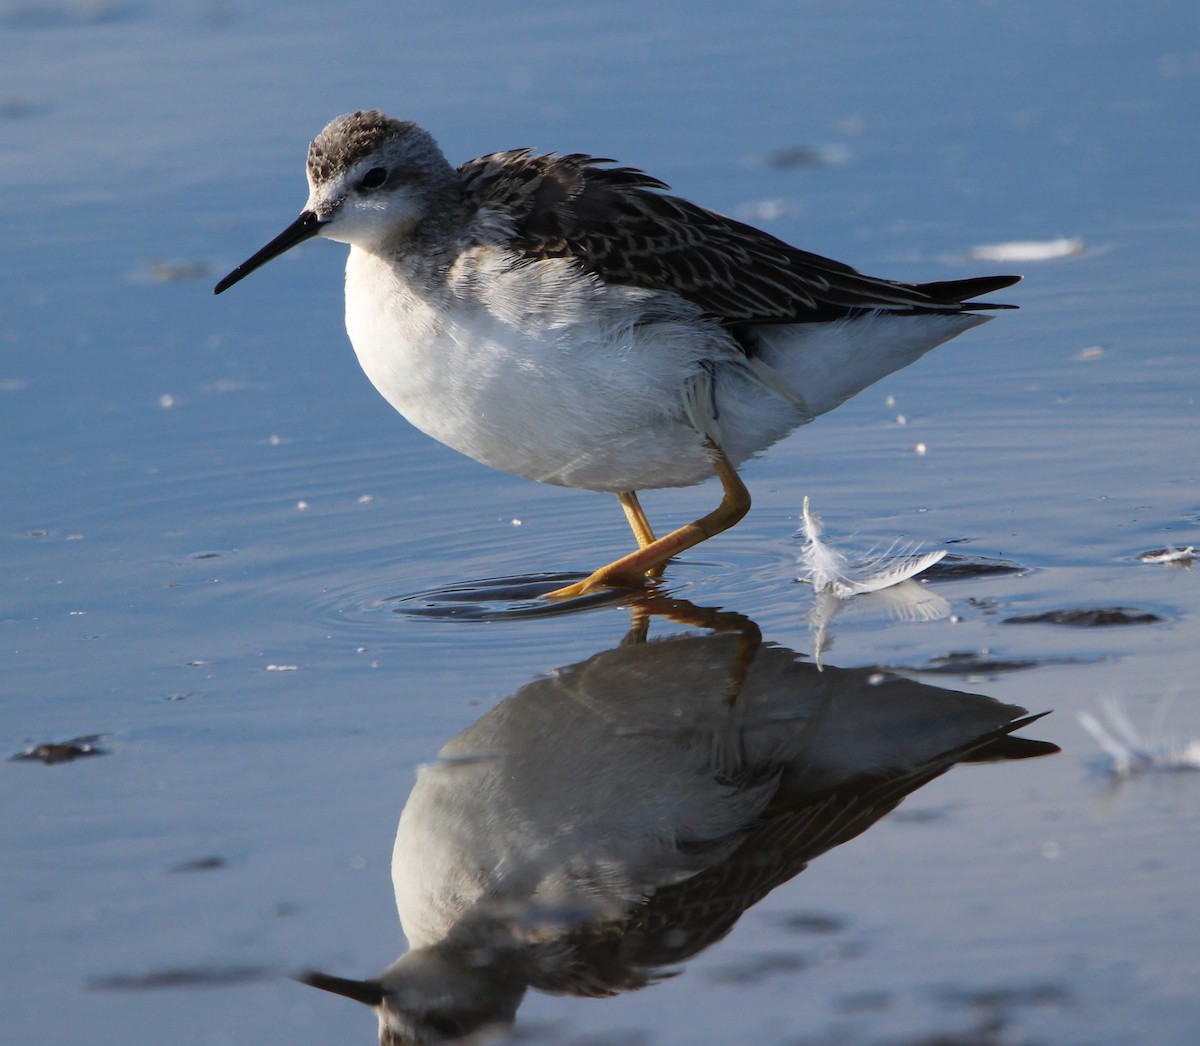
(617, 224)
(683, 919)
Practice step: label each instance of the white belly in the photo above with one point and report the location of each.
(573, 392)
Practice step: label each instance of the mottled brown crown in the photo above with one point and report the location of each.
(349, 138)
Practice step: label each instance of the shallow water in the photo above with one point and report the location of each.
(261, 694)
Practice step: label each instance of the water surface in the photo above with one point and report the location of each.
(262, 707)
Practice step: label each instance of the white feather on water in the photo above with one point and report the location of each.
(879, 578)
(828, 570)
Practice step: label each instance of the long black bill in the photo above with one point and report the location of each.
(303, 228)
(370, 992)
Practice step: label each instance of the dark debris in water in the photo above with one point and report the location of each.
(801, 156)
(1045, 994)
(758, 969)
(811, 923)
(979, 663)
(922, 815)
(976, 662)
(200, 864)
(789, 157)
(1087, 617)
(952, 567)
(182, 977)
(54, 752)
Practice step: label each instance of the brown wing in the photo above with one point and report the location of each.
(620, 227)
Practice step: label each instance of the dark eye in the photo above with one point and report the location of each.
(374, 178)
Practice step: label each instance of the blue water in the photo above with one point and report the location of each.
(159, 442)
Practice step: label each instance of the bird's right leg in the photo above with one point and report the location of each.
(630, 571)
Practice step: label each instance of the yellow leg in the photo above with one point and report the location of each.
(630, 571)
(638, 522)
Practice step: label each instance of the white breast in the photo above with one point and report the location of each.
(534, 369)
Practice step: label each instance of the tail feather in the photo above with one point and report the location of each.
(960, 292)
(945, 297)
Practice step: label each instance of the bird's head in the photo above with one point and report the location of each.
(427, 997)
(372, 180)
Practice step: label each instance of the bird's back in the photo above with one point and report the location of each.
(618, 224)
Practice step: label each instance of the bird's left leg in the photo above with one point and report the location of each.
(638, 522)
(630, 571)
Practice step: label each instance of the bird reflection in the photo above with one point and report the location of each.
(609, 821)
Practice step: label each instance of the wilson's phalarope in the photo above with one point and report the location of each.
(569, 322)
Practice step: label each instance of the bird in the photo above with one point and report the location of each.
(570, 321)
(614, 818)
